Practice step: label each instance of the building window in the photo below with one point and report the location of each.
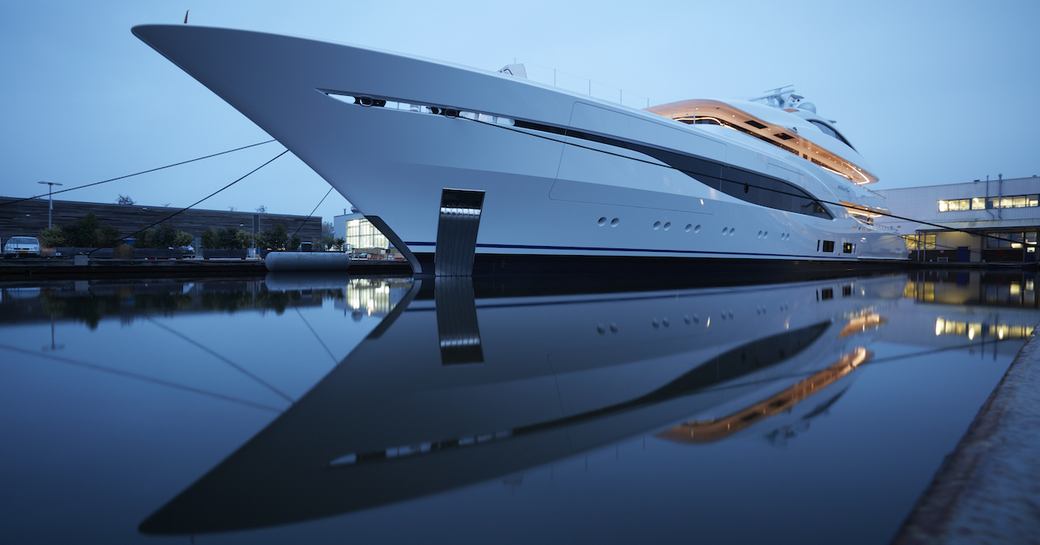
(954, 205)
(1003, 240)
(828, 246)
(983, 203)
(920, 242)
(361, 234)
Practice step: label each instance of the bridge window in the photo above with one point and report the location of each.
(830, 131)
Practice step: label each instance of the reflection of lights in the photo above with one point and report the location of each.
(718, 428)
(708, 323)
(976, 329)
(370, 296)
(860, 324)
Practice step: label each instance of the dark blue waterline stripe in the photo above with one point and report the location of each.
(648, 250)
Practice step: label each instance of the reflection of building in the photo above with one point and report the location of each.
(373, 296)
(1008, 209)
(359, 233)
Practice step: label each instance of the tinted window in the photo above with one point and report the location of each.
(828, 246)
(827, 129)
(766, 191)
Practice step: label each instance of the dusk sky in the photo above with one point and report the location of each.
(929, 92)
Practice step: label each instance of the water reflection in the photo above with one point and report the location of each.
(425, 388)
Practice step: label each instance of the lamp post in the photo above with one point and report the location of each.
(50, 201)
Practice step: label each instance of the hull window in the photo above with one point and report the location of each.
(828, 246)
(848, 248)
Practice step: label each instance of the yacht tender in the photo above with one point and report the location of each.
(465, 168)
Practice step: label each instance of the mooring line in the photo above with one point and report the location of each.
(131, 175)
(309, 216)
(222, 358)
(141, 377)
(186, 208)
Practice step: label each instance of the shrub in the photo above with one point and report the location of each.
(88, 232)
(52, 237)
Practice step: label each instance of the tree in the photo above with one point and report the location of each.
(124, 199)
(227, 238)
(244, 238)
(161, 236)
(52, 237)
(274, 238)
(183, 238)
(88, 232)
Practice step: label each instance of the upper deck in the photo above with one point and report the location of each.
(811, 139)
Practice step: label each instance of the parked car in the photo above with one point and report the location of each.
(17, 246)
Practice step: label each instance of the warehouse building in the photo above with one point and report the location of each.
(997, 220)
(29, 218)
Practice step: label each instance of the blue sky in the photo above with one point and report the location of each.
(929, 92)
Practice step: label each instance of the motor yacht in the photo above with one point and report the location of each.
(480, 171)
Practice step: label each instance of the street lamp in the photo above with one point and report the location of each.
(50, 201)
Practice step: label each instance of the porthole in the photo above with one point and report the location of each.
(667, 225)
(657, 225)
(614, 222)
(601, 221)
(697, 228)
(688, 227)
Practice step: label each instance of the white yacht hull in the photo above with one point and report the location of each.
(547, 194)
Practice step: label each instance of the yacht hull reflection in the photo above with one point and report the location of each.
(401, 417)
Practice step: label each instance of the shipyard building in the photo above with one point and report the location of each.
(1008, 210)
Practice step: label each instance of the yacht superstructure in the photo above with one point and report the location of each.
(469, 170)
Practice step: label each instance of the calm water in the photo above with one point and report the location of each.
(335, 410)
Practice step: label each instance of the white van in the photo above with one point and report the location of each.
(16, 246)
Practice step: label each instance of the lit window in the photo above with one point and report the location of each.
(978, 203)
(954, 205)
